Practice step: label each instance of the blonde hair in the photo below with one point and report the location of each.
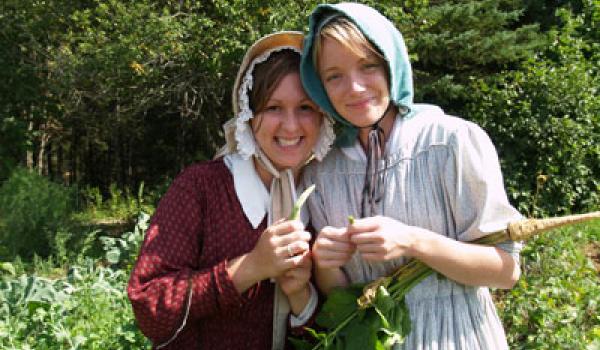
(344, 31)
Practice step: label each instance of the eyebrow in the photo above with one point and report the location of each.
(276, 100)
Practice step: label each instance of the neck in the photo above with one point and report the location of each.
(386, 123)
(266, 177)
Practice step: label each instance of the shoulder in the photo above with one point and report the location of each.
(432, 126)
(332, 163)
(203, 174)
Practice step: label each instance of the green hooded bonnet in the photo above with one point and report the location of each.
(381, 33)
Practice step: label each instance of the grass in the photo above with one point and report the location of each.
(555, 304)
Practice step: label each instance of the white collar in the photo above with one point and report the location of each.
(249, 188)
(356, 152)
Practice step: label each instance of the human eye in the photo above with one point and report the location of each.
(307, 107)
(272, 108)
(370, 66)
(332, 77)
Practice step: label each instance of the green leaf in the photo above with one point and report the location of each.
(113, 255)
(361, 333)
(300, 344)
(8, 267)
(338, 306)
(383, 300)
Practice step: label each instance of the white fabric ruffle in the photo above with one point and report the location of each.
(244, 137)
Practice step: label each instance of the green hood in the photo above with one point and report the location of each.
(384, 35)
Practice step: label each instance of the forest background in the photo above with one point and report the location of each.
(103, 102)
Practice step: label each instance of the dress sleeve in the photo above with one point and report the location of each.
(167, 270)
(475, 187)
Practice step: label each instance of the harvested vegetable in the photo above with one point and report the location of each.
(374, 316)
(295, 215)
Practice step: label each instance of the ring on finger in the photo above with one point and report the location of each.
(289, 251)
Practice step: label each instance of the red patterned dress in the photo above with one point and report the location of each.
(198, 226)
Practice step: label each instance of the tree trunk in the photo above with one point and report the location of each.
(29, 156)
(49, 161)
(41, 151)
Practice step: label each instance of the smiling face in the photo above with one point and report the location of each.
(288, 126)
(356, 82)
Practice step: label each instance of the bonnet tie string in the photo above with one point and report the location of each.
(283, 196)
(374, 186)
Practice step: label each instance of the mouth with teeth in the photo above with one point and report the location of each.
(287, 142)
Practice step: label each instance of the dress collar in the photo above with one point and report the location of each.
(356, 152)
(249, 188)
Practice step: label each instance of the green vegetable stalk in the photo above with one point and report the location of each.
(295, 214)
(374, 316)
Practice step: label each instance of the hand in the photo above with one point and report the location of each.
(281, 247)
(295, 280)
(381, 238)
(332, 248)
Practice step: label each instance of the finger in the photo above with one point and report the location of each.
(366, 238)
(296, 260)
(370, 249)
(331, 254)
(279, 221)
(334, 233)
(380, 256)
(297, 248)
(287, 226)
(330, 264)
(296, 236)
(306, 262)
(334, 246)
(368, 224)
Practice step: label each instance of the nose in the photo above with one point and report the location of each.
(290, 122)
(356, 82)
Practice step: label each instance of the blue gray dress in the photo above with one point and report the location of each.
(442, 174)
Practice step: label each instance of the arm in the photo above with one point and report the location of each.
(332, 247)
(167, 266)
(470, 264)
(479, 206)
(332, 250)
(382, 238)
(270, 257)
(169, 263)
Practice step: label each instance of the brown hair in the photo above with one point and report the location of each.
(267, 75)
(344, 31)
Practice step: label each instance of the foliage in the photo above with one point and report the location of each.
(133, 91)
(454, 41)
(120, 205)
(32, 210)
(546, 120)
(555, 304)
(122, 251)
(86, 309)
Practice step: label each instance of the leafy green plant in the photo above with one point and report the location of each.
(84, 308)
(555, 304)
(123, 250)
(119, 205)
(32, 210)
(545, 119)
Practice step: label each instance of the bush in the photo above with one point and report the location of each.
(32, 210)
(545, 120)
(44, 306)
